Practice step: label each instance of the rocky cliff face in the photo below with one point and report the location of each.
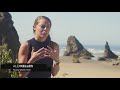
(8, 33)
(74, 47)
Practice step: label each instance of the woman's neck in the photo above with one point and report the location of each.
(40, 39)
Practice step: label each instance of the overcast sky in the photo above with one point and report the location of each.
(90, 28)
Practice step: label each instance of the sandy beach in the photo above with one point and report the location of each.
(88, 69)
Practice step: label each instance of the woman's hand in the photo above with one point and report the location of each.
(54, 54)
(41, 53)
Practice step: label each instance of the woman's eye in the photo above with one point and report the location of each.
(43, 26)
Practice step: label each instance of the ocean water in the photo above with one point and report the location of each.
(96, 50)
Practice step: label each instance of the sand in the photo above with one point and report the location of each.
(88, 69)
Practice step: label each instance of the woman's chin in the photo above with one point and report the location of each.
(43, 36)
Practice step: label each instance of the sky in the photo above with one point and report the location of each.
(90, 28)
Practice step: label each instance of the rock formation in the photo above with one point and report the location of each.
(108, 53)
(8, 33)
(74, 47)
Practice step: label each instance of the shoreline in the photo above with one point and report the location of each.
(88, 68)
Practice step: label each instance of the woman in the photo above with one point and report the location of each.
(40, 50)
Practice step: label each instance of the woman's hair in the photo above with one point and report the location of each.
(50, 43)
(41, 17)
(37, 21)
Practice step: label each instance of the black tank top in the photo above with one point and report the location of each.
(47, 61)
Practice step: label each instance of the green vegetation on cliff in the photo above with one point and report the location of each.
(6, 57)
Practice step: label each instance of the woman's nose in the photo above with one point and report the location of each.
(45, 28)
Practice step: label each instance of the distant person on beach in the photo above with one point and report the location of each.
(40, 50)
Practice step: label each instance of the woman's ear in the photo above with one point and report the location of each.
(33, 27)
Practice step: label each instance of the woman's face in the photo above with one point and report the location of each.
(42, 28)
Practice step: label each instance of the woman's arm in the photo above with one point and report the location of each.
(55, 69)
(55, 57)
(22, 57)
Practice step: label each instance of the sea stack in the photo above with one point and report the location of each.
(74, 47)
(108, 53)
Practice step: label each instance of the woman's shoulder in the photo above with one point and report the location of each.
(25, 44)
(55, 44)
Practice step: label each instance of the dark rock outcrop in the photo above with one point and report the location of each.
(108, 53)
(8, 33)
(74, 47)
(101, 59)
(75, 59)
